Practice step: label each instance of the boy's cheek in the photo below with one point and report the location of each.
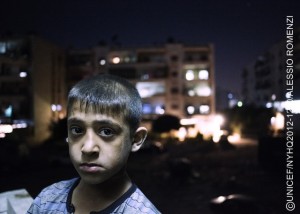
(74, 151)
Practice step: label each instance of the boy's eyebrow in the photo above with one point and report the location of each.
(104, 122)
(74, 120)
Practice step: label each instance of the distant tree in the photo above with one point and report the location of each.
(251, 119)
(165, 123)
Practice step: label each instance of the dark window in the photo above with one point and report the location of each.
(174, 90)
(174, 74)
(175, 106)
(174, 58)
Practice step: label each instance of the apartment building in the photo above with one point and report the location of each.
(174, 78)
(264, 80)
(32, 84)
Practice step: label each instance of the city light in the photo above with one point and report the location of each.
(293, 106)
(204, 91)
(217, 135)
(209, 127)
(203, 74)
(192, 132)
(188, 121)
(6, 128)
(191, 93)
(102, 62)
(239, 103)
(273, 97)
(8, 111)
(2, 47)
(56, 107)
(220, 199)
(269, 105)
(234, 138)
(288, 95)
(190, 109)
(116, 60)
(148, 89)
(23, 74)
(189, 75)
(19, 125)
(277, 123)
(181, 134)
(159, 110)
(204, 109)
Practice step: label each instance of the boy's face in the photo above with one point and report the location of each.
(99, 145)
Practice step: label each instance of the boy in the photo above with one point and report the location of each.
(103, 113)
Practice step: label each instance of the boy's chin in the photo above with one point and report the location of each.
(98, 179)
(93, 180)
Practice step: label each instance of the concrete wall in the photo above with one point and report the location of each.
(15, 201)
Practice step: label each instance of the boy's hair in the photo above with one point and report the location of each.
(110, 95)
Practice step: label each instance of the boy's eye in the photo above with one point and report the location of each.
(75, 130)
(106, 132)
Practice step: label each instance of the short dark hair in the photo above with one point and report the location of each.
(108, 94)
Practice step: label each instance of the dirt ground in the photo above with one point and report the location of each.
(180, 179)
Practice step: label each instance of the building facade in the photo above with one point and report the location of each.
(173, 79)
(32, 84)
(264, 80)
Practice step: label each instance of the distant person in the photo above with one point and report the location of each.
(104, 114)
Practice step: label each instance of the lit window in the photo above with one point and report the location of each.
(6, 128)
(58, 107)
(190, 109)
(189, 75)
(2, 47)
(203, 91)
(8, 111)
(203, 74)
(191, 93)
(174, 106)
(204, 109)
(23, 74)
(147, 109)
(159, 110)
(116, 60)
(149, 89)
(273, 97)
(55, 107)
(102, 62)
(269, 105)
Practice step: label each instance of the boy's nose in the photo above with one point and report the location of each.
(90, 146)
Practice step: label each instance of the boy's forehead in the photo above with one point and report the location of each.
(76, 111)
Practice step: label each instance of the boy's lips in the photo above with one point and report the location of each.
(90, 167)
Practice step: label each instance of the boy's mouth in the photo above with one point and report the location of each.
(90, 167)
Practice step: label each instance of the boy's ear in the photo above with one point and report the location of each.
(138, 138)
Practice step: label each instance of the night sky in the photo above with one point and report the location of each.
(239, 30)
